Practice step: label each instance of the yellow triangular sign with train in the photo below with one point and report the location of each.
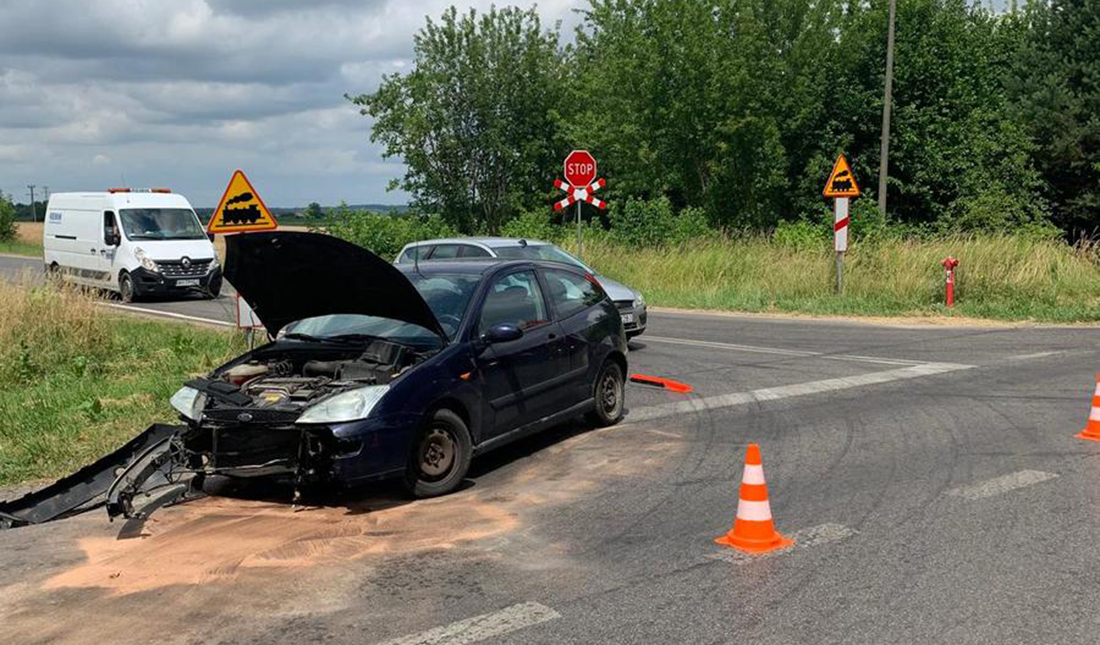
(842, 183)
(241, 209)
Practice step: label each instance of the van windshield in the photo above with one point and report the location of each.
(161, 224)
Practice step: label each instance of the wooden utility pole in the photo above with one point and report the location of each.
(34, 211)
(884, 153)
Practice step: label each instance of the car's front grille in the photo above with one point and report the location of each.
(625, 306)
(181, 269)
(251, 415)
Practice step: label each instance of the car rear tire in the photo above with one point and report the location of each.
(125, 288)
(441, 456)
(608, 392)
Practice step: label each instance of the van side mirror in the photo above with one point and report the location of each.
(210, 236)
(113, 238)
(503, 333)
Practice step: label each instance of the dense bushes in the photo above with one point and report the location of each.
(382, 234)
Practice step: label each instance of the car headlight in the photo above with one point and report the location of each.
(346, 406)
(145, 260)
(214, 263)
(639, 300)
(189, 402)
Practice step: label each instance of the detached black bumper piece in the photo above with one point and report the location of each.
(86, 488)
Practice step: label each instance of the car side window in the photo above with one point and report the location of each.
(446, 252)
(471, 251)
(516, 299)
(409, 256)
(110, 228)
(570, 293)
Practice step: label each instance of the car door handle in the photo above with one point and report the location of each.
(552, 336)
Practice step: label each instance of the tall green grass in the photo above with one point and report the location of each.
(77, 381)
(1000, 276)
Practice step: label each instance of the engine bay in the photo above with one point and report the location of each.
(290, 380)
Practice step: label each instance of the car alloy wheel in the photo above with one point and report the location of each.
(126, 288)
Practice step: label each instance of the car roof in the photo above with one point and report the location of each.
(474, 266)
(491, 242)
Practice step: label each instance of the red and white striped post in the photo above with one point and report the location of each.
(840, 235)
(580, 182)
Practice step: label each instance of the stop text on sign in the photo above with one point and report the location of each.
(579, 168)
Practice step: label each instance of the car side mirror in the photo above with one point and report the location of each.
(113, 239)
(210, 236)
(503, 333)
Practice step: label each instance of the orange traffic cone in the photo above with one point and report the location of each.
(753, 530)
(1092, 428)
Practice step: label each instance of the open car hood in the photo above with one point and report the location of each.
(290, 276)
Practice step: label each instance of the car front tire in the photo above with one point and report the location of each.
(441, 456)
(125, 288)
(608, 392)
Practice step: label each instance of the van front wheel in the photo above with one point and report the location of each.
(125, 288)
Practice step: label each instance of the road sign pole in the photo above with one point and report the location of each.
(580, 248)
(840, 236)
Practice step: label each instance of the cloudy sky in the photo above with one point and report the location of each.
(179, 93)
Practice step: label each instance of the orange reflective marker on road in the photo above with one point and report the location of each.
(753, 530)
(1092, 426)
(668, 384)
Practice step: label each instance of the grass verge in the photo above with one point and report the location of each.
(17, 247)
(76, 381)
(999, 277)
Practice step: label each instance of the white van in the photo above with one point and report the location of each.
(137, 243)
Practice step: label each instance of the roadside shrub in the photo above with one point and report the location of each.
(690, 224)
(384, 235)
(7, 219)
(800, 235)
(642, 222)
(533, 225)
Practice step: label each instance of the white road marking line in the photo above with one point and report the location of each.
(169, 314)
(479, 628)
(1002, 484)
(782, 352)
(805, 538)
(704, 404)
(1028, 357)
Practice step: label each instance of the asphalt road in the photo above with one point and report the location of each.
(929, 476)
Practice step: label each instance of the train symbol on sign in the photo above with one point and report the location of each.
(245, 213)
(842, 182)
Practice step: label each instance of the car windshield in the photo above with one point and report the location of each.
(447, 296)
(539, 252)
(161, 224)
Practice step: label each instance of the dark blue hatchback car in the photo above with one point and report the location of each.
(377, 371)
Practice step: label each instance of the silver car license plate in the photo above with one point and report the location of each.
(187, 283)
(628, 318)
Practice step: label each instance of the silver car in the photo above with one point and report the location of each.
(630, 303)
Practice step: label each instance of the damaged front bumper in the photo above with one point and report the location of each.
(86, 488)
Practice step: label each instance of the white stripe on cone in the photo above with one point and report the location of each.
(753, 511)
(1094, 415)
(754, 474)
(1097, 393)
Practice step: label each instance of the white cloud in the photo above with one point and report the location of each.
(182, 92)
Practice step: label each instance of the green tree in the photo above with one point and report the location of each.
(314, 211)
(1055, 89)
(7, 219)
(473, 119)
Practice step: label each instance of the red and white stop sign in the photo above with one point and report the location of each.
(580, 168)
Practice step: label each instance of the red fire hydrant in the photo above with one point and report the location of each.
(949, 265)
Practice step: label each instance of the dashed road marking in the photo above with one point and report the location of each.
(479, 628)
(1002, 484)
(732, 399)
(797, 353)
(803, 539)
